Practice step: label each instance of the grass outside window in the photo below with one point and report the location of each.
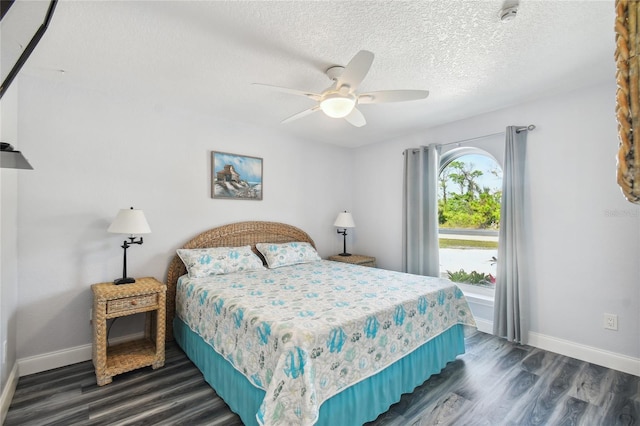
(467, 244)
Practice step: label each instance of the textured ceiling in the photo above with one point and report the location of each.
(204, 55)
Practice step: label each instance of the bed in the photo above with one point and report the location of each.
(294, 339)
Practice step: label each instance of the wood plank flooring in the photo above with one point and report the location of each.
(494, 383)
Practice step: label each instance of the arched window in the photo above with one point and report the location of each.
(469, 195)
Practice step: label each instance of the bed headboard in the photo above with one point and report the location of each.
(232, 235)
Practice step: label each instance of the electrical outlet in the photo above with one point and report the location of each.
(90, 314)
(611, 322)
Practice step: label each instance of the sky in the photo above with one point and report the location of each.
(485, 164)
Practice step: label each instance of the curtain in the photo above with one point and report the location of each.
(509, 319)
(420, 249)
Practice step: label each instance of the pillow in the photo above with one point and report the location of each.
(278, 255)
(206, 262)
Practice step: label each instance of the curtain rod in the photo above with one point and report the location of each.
(471, 139)
(518, 130)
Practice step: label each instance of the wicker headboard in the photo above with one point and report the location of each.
(232, 235)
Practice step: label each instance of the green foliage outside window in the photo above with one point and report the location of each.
(473, 277)
(463, 203)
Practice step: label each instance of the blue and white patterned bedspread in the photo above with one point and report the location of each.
(305, 332)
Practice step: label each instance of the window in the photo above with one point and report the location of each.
(469, 195)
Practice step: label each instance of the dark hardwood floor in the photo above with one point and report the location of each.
(494, 383)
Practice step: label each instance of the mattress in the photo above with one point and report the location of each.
(306, 332)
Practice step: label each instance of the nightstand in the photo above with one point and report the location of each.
(113, 301)
(356, 259)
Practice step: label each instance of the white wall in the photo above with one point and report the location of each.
(584, 236)
(94, 153)
(8, 234)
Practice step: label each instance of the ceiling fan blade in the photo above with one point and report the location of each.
(392, 96)
(356, 118)
(311, 95)
(301, 114)
(356, 70)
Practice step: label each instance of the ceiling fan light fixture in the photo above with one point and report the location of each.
(341, 98)
(336, 105)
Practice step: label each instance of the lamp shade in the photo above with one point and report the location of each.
(344, 220)
(130, 221)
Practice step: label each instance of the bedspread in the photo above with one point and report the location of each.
(305, 332)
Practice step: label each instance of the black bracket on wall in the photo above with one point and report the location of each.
(6, 5)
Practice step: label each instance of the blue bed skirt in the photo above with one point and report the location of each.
(358, 404)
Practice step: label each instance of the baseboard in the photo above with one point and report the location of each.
(590, 354)
(484, 325)
(7, 392)
(51, 360)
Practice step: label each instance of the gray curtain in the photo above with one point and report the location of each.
(509, 319)
(420, 254)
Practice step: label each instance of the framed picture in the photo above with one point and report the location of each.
(236, 177)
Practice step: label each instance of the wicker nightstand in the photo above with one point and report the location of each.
(113, 301)
(355, 259)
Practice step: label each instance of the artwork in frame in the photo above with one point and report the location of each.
(236, 177)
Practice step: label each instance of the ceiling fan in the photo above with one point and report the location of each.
(340, 99)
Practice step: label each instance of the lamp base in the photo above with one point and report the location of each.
(127, 280)
(344, 254)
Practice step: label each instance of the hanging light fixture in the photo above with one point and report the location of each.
(337, 105)
(11, 159)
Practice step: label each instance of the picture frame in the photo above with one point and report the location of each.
(235, 176)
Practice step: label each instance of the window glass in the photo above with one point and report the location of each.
(469, 196)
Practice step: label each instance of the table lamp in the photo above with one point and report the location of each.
(129, 221)
(344, 220)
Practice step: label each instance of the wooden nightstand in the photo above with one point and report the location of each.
(355, 259)
(113, 301)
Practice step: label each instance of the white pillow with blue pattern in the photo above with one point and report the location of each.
(206, 262)
(286, 254)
